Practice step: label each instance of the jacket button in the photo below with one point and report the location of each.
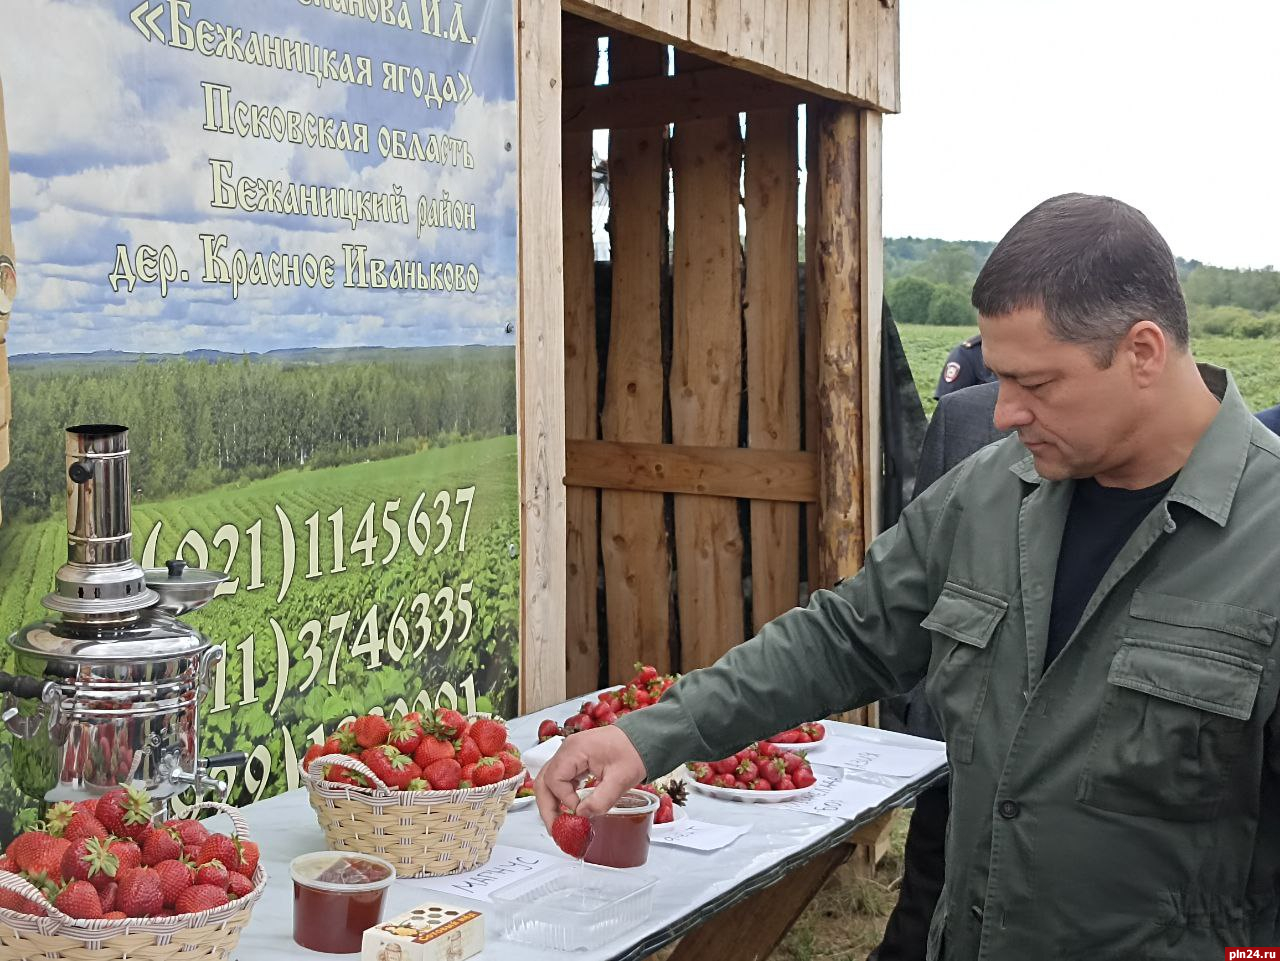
(976, 911)
(1009, 810)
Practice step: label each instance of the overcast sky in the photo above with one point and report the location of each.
(1167, 104)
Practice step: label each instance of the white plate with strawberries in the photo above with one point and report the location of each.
(760, 773)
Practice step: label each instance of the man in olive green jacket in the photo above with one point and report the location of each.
(1094, 602)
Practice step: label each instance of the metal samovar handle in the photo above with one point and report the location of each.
(21, 687)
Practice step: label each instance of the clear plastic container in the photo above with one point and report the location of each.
(574, 907)
(620, 837)
(336, 896)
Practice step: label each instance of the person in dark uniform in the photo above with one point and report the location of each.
(964, 368)
(1271, 417)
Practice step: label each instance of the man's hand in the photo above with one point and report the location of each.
(605, 752)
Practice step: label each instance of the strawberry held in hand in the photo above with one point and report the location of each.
(572, 834)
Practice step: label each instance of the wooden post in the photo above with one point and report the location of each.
(839, 300)
(773, 349)
(582, 640)
(706, 376)
(540, 358)
(633, 525)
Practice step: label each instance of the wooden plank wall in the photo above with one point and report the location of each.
(844, 49)
(637, 565)
(706, 373)
(583, 638)
(670, 493)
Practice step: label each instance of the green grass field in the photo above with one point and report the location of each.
(380, 617)
(1255, 364)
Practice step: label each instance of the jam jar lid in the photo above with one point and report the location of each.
(342, 872)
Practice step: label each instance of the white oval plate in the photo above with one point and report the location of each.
(521, 803)
(750, 797)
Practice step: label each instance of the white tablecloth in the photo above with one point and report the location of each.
(691, 886)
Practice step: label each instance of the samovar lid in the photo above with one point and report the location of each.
(148, 637)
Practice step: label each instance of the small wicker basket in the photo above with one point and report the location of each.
(206, 936)
(423, 833)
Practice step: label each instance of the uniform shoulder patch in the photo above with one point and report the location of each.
(951, 372)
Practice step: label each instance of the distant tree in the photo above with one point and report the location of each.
(950, 307)
(953, 264)
(909, 300)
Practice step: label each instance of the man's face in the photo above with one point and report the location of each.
(1077, 419)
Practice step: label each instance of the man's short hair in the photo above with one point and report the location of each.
(1094, 265)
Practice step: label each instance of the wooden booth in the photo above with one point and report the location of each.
(698, 415)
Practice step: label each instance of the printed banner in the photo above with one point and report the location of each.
(276, 240)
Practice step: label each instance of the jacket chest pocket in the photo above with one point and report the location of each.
(967, 620)
(1171, 730)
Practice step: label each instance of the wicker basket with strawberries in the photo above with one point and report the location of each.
(100, 881)
(428, 794)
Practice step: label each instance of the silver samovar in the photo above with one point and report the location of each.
(108, 690)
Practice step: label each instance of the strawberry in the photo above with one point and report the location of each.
(248, 856)
(190, 830)
(83, 826)
(432, 749)
(340, 775)
(138, 893)
(511, 764)
(447, 723)
(200, 897)
(393, 769)
(160, 844)
(723, 780)
(127, 853)
(114, 916)
(792, 760)
(469, 752)
(79, 899)
(59, 817)
(175, 877)
(405, 735)
(345, 739)
(419, 784)
(26, 847)
(221, 848)
(702, 772)
(666, 811)
(725, 766)
(760, 784)
(125, 812)
(313, 752)
(645, 673)
(108, 895)
(371, 730)
(572, 834)
(488, 770)
(526, 789)
(803, 777)
(48, 859)
(238, 886)
(468, 774)
(90, 860)
(815, 731)
(747, 771)
(444, 775)
(547, 730)
(213, 873)
(6, 864)
(786, 784)
(773, 770)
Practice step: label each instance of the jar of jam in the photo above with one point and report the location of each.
(620, 837)
(336, 896)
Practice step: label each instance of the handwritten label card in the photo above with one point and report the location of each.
(507, 865)
(697, 835)
(877, 758)
(835, 797)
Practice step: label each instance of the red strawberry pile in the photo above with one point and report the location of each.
(804, 734)
(643, 690)
(442, 751)
(104, 859)
(757, 767)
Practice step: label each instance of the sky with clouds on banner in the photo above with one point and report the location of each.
(1165, 104)
(108, 147)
